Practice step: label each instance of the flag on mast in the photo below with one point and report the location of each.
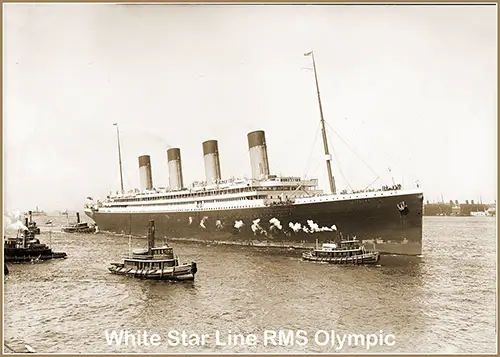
(308, 53)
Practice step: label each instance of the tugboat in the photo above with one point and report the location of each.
(79, 227)
(158, 263)
(347, 252)
(32, 227)
(25, 248)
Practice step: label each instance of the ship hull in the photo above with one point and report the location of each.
(20, 255)
(177, 273)
(367, 258)
(375, 221)
(78, 230)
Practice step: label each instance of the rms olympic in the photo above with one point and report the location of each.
(264, 210)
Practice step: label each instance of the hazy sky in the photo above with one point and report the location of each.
(412, 89)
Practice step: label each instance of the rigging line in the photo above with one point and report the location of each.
(346, 181)
(316, 168)
(344, 177)
(355, 153)
(128, 183)
(312, 150)
(371, 184)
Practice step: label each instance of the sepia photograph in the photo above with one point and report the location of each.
(217, 178)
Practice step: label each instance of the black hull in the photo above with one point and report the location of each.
(376, 221)
(20, 255)
(77, 230)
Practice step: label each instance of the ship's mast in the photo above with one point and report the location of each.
(119, 156)
(325, 141)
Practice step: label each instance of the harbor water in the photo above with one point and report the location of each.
(442, 302)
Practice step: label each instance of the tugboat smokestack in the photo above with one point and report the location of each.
(145, 174)
(151, 236)
(258, 154)
(77, 217)
(175, 168)
(211, 159)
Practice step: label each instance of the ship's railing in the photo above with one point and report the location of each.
(231, 183)
(220, 186)
(211, 191)
(132, 255)
(383, 188)
(93, 205)
(279, 202)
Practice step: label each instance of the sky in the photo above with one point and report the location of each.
(409, 95)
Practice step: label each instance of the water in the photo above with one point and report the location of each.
(441, 302)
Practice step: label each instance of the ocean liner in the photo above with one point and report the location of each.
(264, 210)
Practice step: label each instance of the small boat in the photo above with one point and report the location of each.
(26, 248)
(37, 212)
(479, 213)
(347, 252)
(79, 227)
(158, 263)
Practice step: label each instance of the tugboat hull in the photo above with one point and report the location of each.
(368, 258)
(78, 230)
(175, 273)
(20, 255)
(79, 227)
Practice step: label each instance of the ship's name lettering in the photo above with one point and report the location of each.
(183, 338)
(234, 339)
(267, 338)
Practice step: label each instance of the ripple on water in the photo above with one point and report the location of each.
(442, 302)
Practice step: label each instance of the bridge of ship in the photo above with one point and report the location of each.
(161, 257)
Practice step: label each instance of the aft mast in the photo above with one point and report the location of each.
(325, 141)
(119, 156)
